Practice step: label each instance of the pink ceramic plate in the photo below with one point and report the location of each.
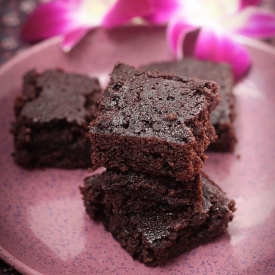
(43, 225)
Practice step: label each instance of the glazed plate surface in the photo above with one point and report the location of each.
(43, 225)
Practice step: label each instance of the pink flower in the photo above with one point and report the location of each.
(219, 22)
(74, 18)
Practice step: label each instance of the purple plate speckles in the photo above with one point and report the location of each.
(43, 225)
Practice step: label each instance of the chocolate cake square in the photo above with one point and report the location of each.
(134, 192)
(153, 237)
(223, 116)
(153, 123)
(52, 117)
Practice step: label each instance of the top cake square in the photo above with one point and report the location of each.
(153, 123)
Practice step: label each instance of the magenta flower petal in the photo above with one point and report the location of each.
(176, 32)
(72, 3)
(257, 23)
(219, 47)
(244, 3)
(125, 10)
(49, 20)
(72, 38)
(162, 10)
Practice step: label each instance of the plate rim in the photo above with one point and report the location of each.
(16, 264)
(21, 55)
(258, 44)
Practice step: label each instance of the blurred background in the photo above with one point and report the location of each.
(13, 14)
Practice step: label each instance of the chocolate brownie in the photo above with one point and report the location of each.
(52, 117)
(153, 123)
(223, 116)
(153, 237)
(131, 192)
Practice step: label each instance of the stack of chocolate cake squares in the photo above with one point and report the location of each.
(150, 132)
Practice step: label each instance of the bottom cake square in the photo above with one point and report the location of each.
(153, 237)
(134, 192)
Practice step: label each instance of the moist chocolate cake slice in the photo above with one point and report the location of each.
(153, 123)
(223, 116)
(133, 192)
(153, 237)
(52, 117)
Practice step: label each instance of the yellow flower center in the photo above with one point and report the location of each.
(209, 13)
(92, 12)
